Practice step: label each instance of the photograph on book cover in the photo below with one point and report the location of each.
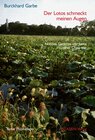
(47, 69)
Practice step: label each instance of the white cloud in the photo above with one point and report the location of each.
(36, 16)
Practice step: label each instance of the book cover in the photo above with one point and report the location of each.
(47, 69)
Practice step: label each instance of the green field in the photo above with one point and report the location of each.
(40, 67)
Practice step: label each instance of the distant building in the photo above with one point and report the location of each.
(7, 25)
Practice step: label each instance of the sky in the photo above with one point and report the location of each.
(36, 15)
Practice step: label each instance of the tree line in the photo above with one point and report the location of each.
(85, 29)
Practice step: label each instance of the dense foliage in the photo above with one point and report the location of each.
(85, 29)
(48, 87)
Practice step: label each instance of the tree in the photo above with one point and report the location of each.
(88, 28)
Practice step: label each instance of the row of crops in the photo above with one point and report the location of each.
(47, 87)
